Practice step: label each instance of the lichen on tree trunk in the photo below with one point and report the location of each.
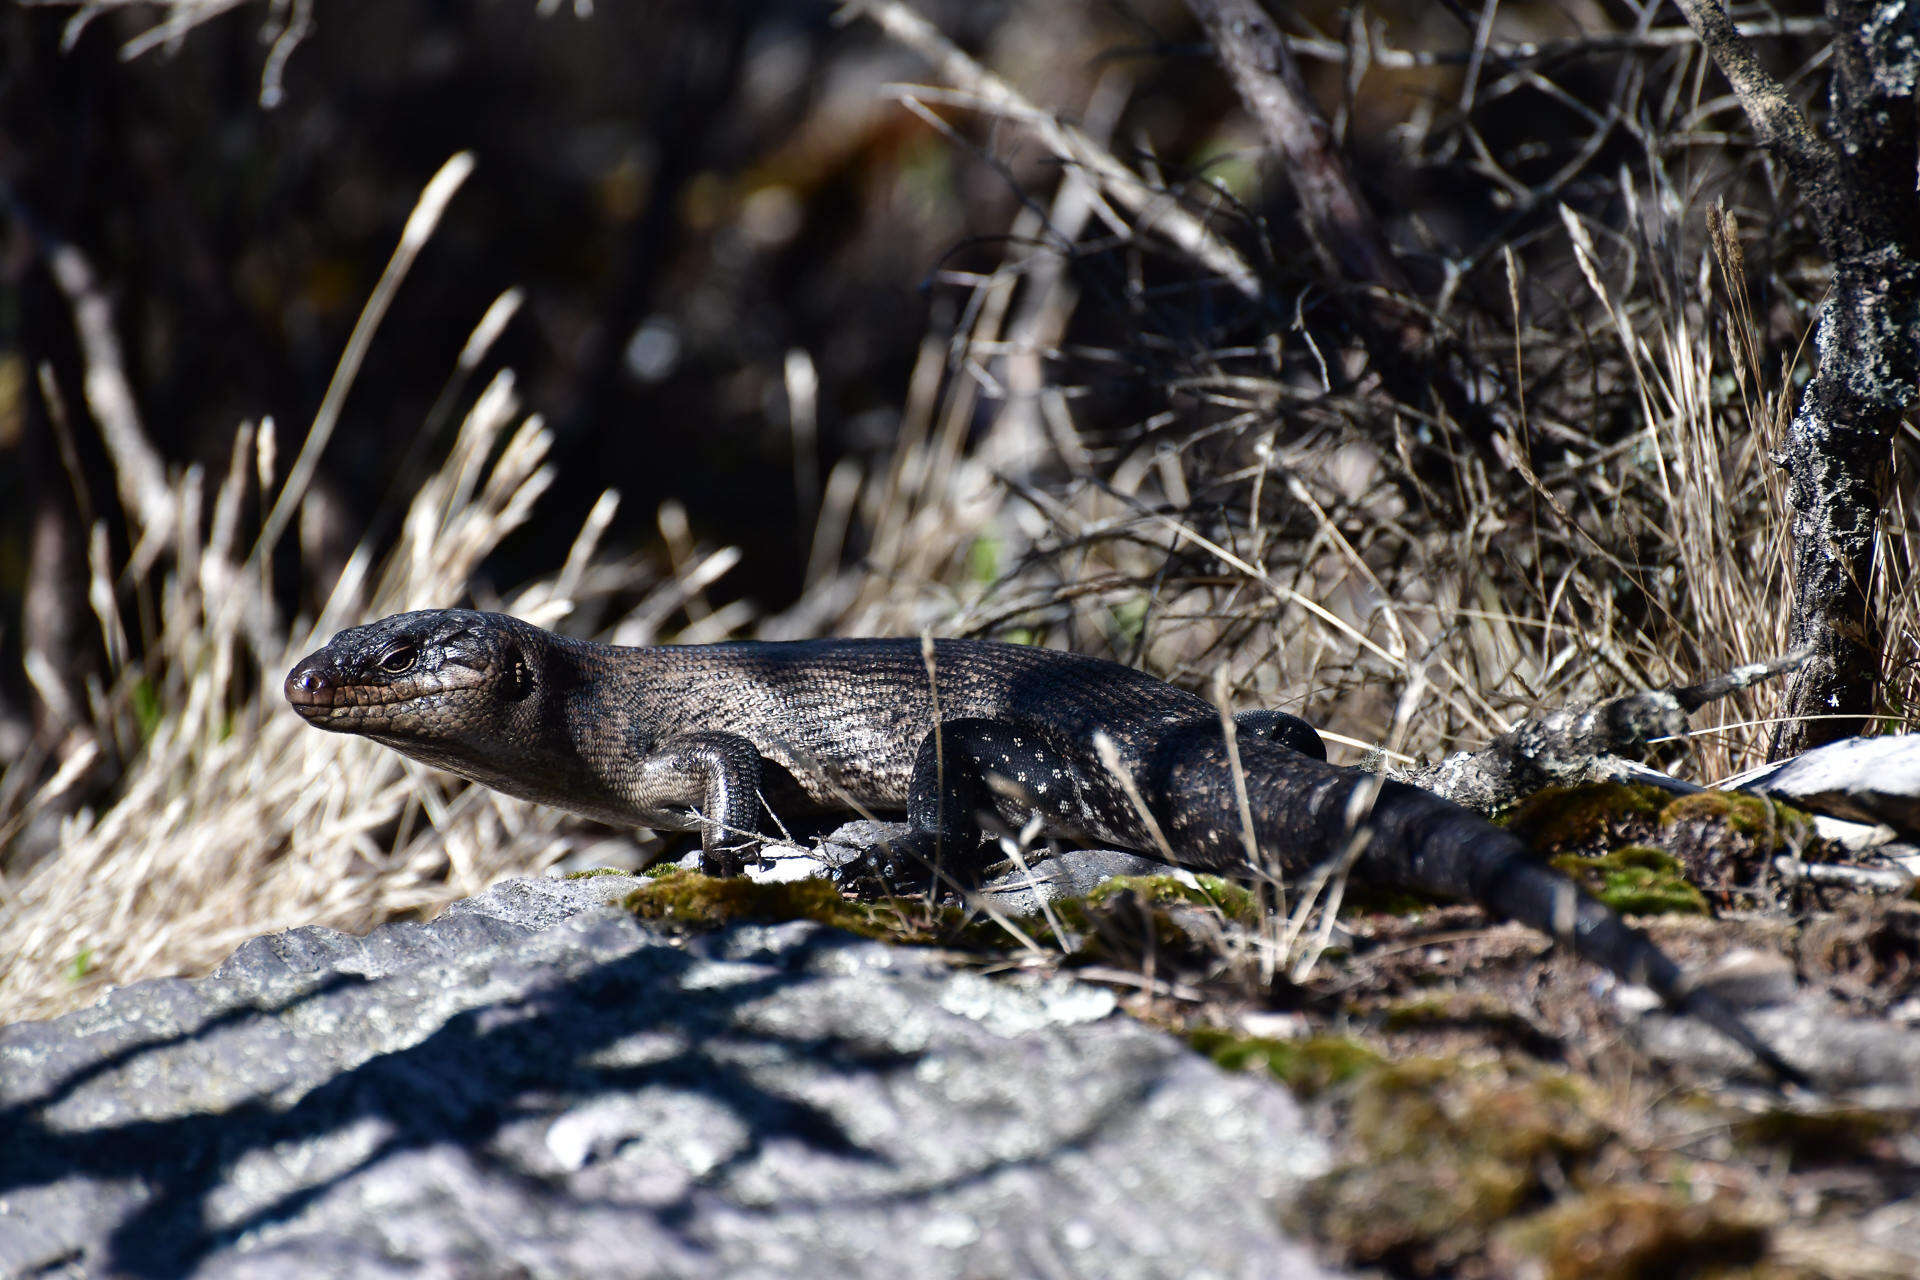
(1858, 183)
(1837, 457)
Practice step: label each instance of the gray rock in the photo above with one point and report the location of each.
(1070, 873)
(537, 1083)
(1865, 779)
(1046, 876)
(1867, 1060)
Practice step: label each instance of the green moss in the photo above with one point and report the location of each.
(695, 901)
(1367, 899)
(1151, 920)
(1749, 815)
(1636, 880)
(1432, 1108)
(1453, 1009)
(1308, 1066)
(1589, 818)
(1423, 1011)
(593, 872)
(1444, 1149)
(1234, 901)
(1627, 1233)
(1714, 816)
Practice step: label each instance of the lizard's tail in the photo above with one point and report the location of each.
(1303, 812)
(1443, 848)
(1520, 888)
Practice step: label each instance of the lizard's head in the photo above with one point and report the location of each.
(433, 685)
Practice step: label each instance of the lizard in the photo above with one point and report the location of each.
(959, 735)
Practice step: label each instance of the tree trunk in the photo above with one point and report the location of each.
(1859, 186)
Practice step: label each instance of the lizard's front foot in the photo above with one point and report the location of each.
(730, 859)
(913, 863)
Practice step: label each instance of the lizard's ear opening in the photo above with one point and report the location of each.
(519, 682)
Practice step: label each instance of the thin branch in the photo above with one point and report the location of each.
(1393, 59)
(1156, 210)
(137, 468)
(1783, 128)
(1268, 80)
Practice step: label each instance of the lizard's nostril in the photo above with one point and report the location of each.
(306, 686)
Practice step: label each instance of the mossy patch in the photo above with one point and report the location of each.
(1591, 818)
(1716, 844)
(1443, 1150)
(591, 873)
(1483, 1016)
(1748, 815)
(1452, 1009)
(1378, 900)
(1119, 921)
(695, 901)
(1234, 901)
(1159, 920)
(1307, 1066)
(1727, 840)
(1636, 879)
(1627, 1233)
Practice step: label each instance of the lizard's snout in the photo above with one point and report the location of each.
(309, 687)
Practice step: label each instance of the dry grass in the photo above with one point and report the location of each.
(1254, 523)
(233, 818)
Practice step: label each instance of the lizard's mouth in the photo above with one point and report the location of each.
(328, 697)
(322, 696)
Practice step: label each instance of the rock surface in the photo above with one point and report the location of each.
(1045, 876)
(537, 1083)
(1865, 779)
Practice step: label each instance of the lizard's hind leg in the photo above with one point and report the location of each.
(973, 779)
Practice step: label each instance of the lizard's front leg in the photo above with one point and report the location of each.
(716, 775)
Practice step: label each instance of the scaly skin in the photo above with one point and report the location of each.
(711, 737)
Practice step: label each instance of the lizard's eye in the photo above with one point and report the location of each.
(398, 659)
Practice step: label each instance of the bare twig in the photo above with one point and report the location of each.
(1347, 235)
(1579, 743)
(288, 22)
(1782, 126)
(1519, 51)
(137, 468)
(1342, 224)
(1842, 875)
(1156, 211)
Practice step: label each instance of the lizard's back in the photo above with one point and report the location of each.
(847, 717)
